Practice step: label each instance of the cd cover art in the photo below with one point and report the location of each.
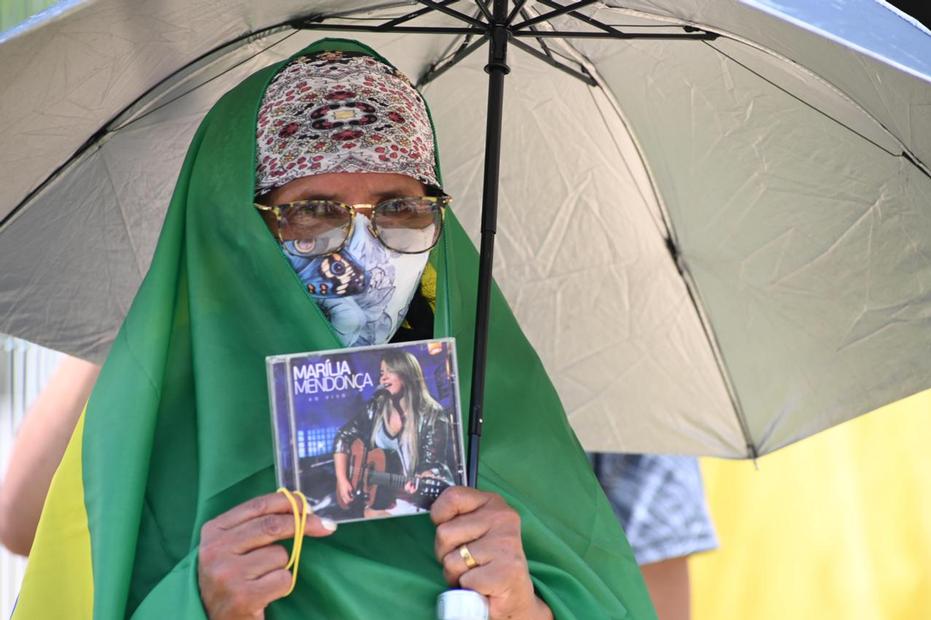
(368, 432)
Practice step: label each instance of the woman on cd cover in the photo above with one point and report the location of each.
(409, 425)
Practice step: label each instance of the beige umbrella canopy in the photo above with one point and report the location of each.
(718, 246)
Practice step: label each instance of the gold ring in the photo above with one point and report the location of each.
(467, 557)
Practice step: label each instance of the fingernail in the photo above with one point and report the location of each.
(328, 524)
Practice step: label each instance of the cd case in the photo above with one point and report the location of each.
(368, 432)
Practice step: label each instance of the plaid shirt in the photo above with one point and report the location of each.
(660, 503)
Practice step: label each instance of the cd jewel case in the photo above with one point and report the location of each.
(368, 432)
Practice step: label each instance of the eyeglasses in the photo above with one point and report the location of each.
(408, 225)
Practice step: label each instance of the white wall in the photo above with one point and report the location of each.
(24, 370)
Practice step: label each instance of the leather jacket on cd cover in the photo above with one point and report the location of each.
(435, 438)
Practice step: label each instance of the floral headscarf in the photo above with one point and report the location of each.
(342, 112)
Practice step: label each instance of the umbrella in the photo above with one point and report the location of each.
(714, 215)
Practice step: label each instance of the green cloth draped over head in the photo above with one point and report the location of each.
(178, 431)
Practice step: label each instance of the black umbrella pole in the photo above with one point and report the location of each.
(496, 68)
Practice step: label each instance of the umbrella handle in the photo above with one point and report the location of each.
(496, 69)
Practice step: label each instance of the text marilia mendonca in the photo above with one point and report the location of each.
(326, 376)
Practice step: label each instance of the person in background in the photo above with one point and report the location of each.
(37, 451)
(660, 503)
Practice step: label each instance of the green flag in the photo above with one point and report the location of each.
(178, 430)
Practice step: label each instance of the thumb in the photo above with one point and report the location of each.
(317, 527)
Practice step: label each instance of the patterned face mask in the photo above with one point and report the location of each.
(364, 289)
(348, 112)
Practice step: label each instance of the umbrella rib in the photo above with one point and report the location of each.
(548, 59)
(442, 8)
(552, 53)
(694, 296)
(586, 76)
(317, 25)
(581, 17)
(349, 13)
(588, 34)
(556, 12)
(518, 8)
(453, 48)
(666, 231)
(461, 54)
(412, 15)
(484, 9)
(690, 32)
(805, 103)
(540, 41)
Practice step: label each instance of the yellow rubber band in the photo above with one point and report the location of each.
(300, 522)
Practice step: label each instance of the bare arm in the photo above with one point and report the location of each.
(668, 583)
(40, 444)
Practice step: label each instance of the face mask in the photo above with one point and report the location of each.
(364, 289)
